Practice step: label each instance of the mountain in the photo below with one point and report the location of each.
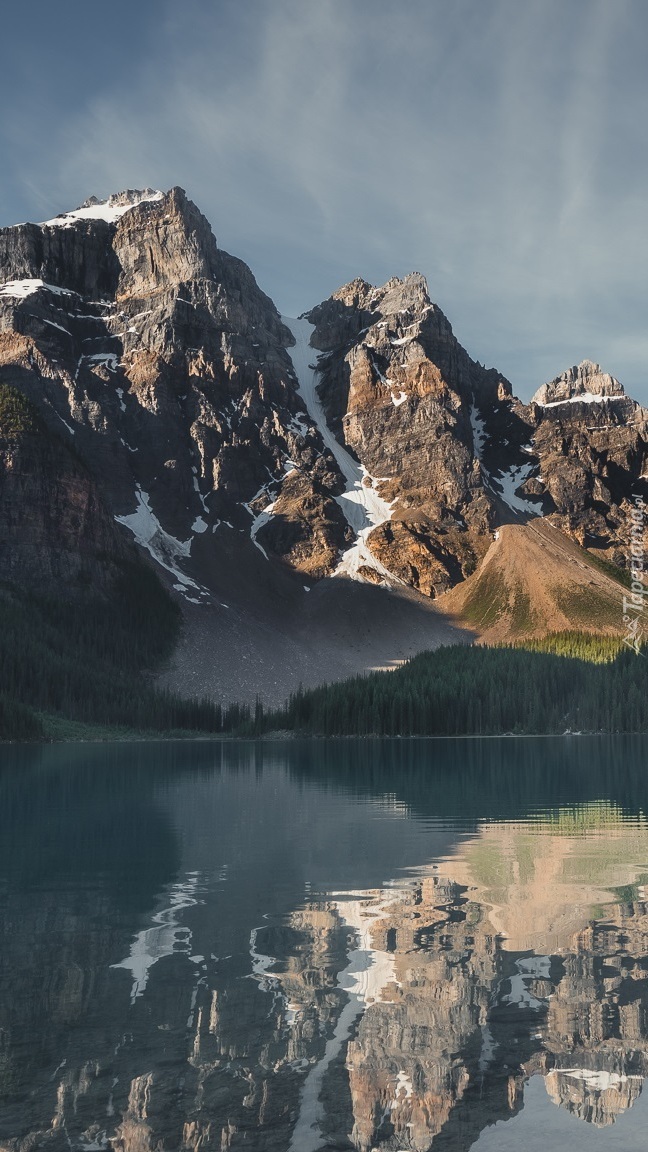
(457, 454)
(159, 355)
(535, 580)
(308, 489)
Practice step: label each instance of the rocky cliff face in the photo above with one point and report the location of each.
(56, 534)
(251, 457)
(401, 393)
(592, 443)
(456, 453)
(158, 357)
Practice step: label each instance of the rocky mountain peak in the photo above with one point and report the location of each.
(127, 199)
(109, 210)
(157, 356)
(358, 306)
(397, 294)
(407, 294)
(584, 381)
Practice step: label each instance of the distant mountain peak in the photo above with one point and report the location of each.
(398, 293)
(109, 210)
(585, 383)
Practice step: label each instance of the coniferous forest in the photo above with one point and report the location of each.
(463, 690)
(94, 665)
(91, 662)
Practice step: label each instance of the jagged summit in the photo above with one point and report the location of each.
(411, 289)
(109, 210)
(126, 199)
(358, 306)
(585, 382)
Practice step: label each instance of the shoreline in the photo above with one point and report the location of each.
(292, 736)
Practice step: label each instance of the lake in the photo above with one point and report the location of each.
(304, 945)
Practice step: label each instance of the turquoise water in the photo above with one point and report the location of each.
(324, 945)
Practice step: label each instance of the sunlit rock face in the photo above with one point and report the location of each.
(401, 393)
(455, 450)
(585, 383)
(591, 441)
(159, 360)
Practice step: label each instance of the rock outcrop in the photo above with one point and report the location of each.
(592, 443)
(400, 392)
(56, 534)
(584, 383)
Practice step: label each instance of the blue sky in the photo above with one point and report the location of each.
(497, 146)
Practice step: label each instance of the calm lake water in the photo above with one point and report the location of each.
(325, 945)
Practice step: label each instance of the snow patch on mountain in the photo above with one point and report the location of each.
(258, 523)
(164, 548)
(106, 360)
(581, 398)
(109, 210)
(363, 507)
(509, 482)
(21, 289)
(478, 431)
(505, 484)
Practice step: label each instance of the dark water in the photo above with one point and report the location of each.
(343, 945)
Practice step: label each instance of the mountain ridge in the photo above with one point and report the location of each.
(390, 459)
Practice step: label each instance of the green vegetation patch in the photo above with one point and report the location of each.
(486, 601)
(620, 575)
(17, 415)
(590, 646)
(57, 728)
(18, 721)
(588, 606)
(522, 617)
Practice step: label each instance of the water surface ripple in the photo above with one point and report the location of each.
(299, 946)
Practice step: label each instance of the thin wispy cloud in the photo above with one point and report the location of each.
(495, 147)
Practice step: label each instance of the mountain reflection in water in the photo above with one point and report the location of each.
(303, 946)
